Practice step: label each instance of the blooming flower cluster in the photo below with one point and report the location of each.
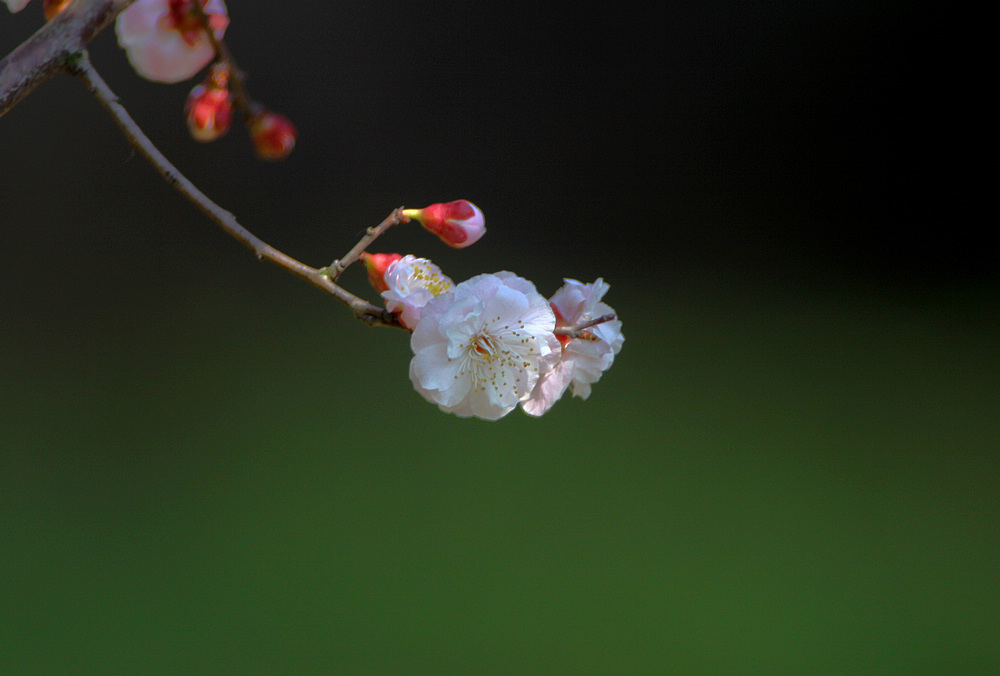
(482, 347)
(491, 343)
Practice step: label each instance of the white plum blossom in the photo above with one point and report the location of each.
(15, 5)
(480, 349)
(583, 359)
(164, 39)
(412, 282)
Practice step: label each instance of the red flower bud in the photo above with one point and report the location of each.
(458, 224)
(377, 264)
(209, 107)
(273, 135)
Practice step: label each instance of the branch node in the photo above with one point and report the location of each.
(332, 271)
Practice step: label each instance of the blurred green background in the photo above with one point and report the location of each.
(792, 467)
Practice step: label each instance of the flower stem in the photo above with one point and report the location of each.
(580, 330)
(363, 310)
(237, 77)
(336, 268)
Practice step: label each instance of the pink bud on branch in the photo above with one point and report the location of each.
(209, 107)
(273, 135)
(376, 264)
(458, 224)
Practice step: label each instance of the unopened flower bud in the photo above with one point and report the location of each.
(376, 264)
(273, 135)
(458, 224)
(209, 107)
(53, 7)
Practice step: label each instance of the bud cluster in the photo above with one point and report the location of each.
(171, 41)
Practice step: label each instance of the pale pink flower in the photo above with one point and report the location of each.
(412, 282)
(164, 39)
(583, 359)
(480, 349)
(15, 5)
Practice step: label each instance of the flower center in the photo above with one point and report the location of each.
(431, 280)
(484, 349)
(182, 16)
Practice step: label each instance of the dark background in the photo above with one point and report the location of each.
(207, 467)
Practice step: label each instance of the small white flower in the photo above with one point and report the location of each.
(164, 39)
(412, 283)
(480, 349)
(16, 5)
(583, 360)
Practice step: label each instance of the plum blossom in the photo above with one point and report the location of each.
(164, 39)
(480, 349)
(583, 359)
(411, 283)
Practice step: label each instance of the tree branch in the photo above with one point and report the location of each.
(367, 312)
(54, 47)
(60, 47)
(336, 268)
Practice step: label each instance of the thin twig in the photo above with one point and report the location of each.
(336, 268)
(580, 330)
(370, 314)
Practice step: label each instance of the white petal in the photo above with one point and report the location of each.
(438, 378)
(549, 389)
(481, 349)
(16, 5)
(506, 307)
